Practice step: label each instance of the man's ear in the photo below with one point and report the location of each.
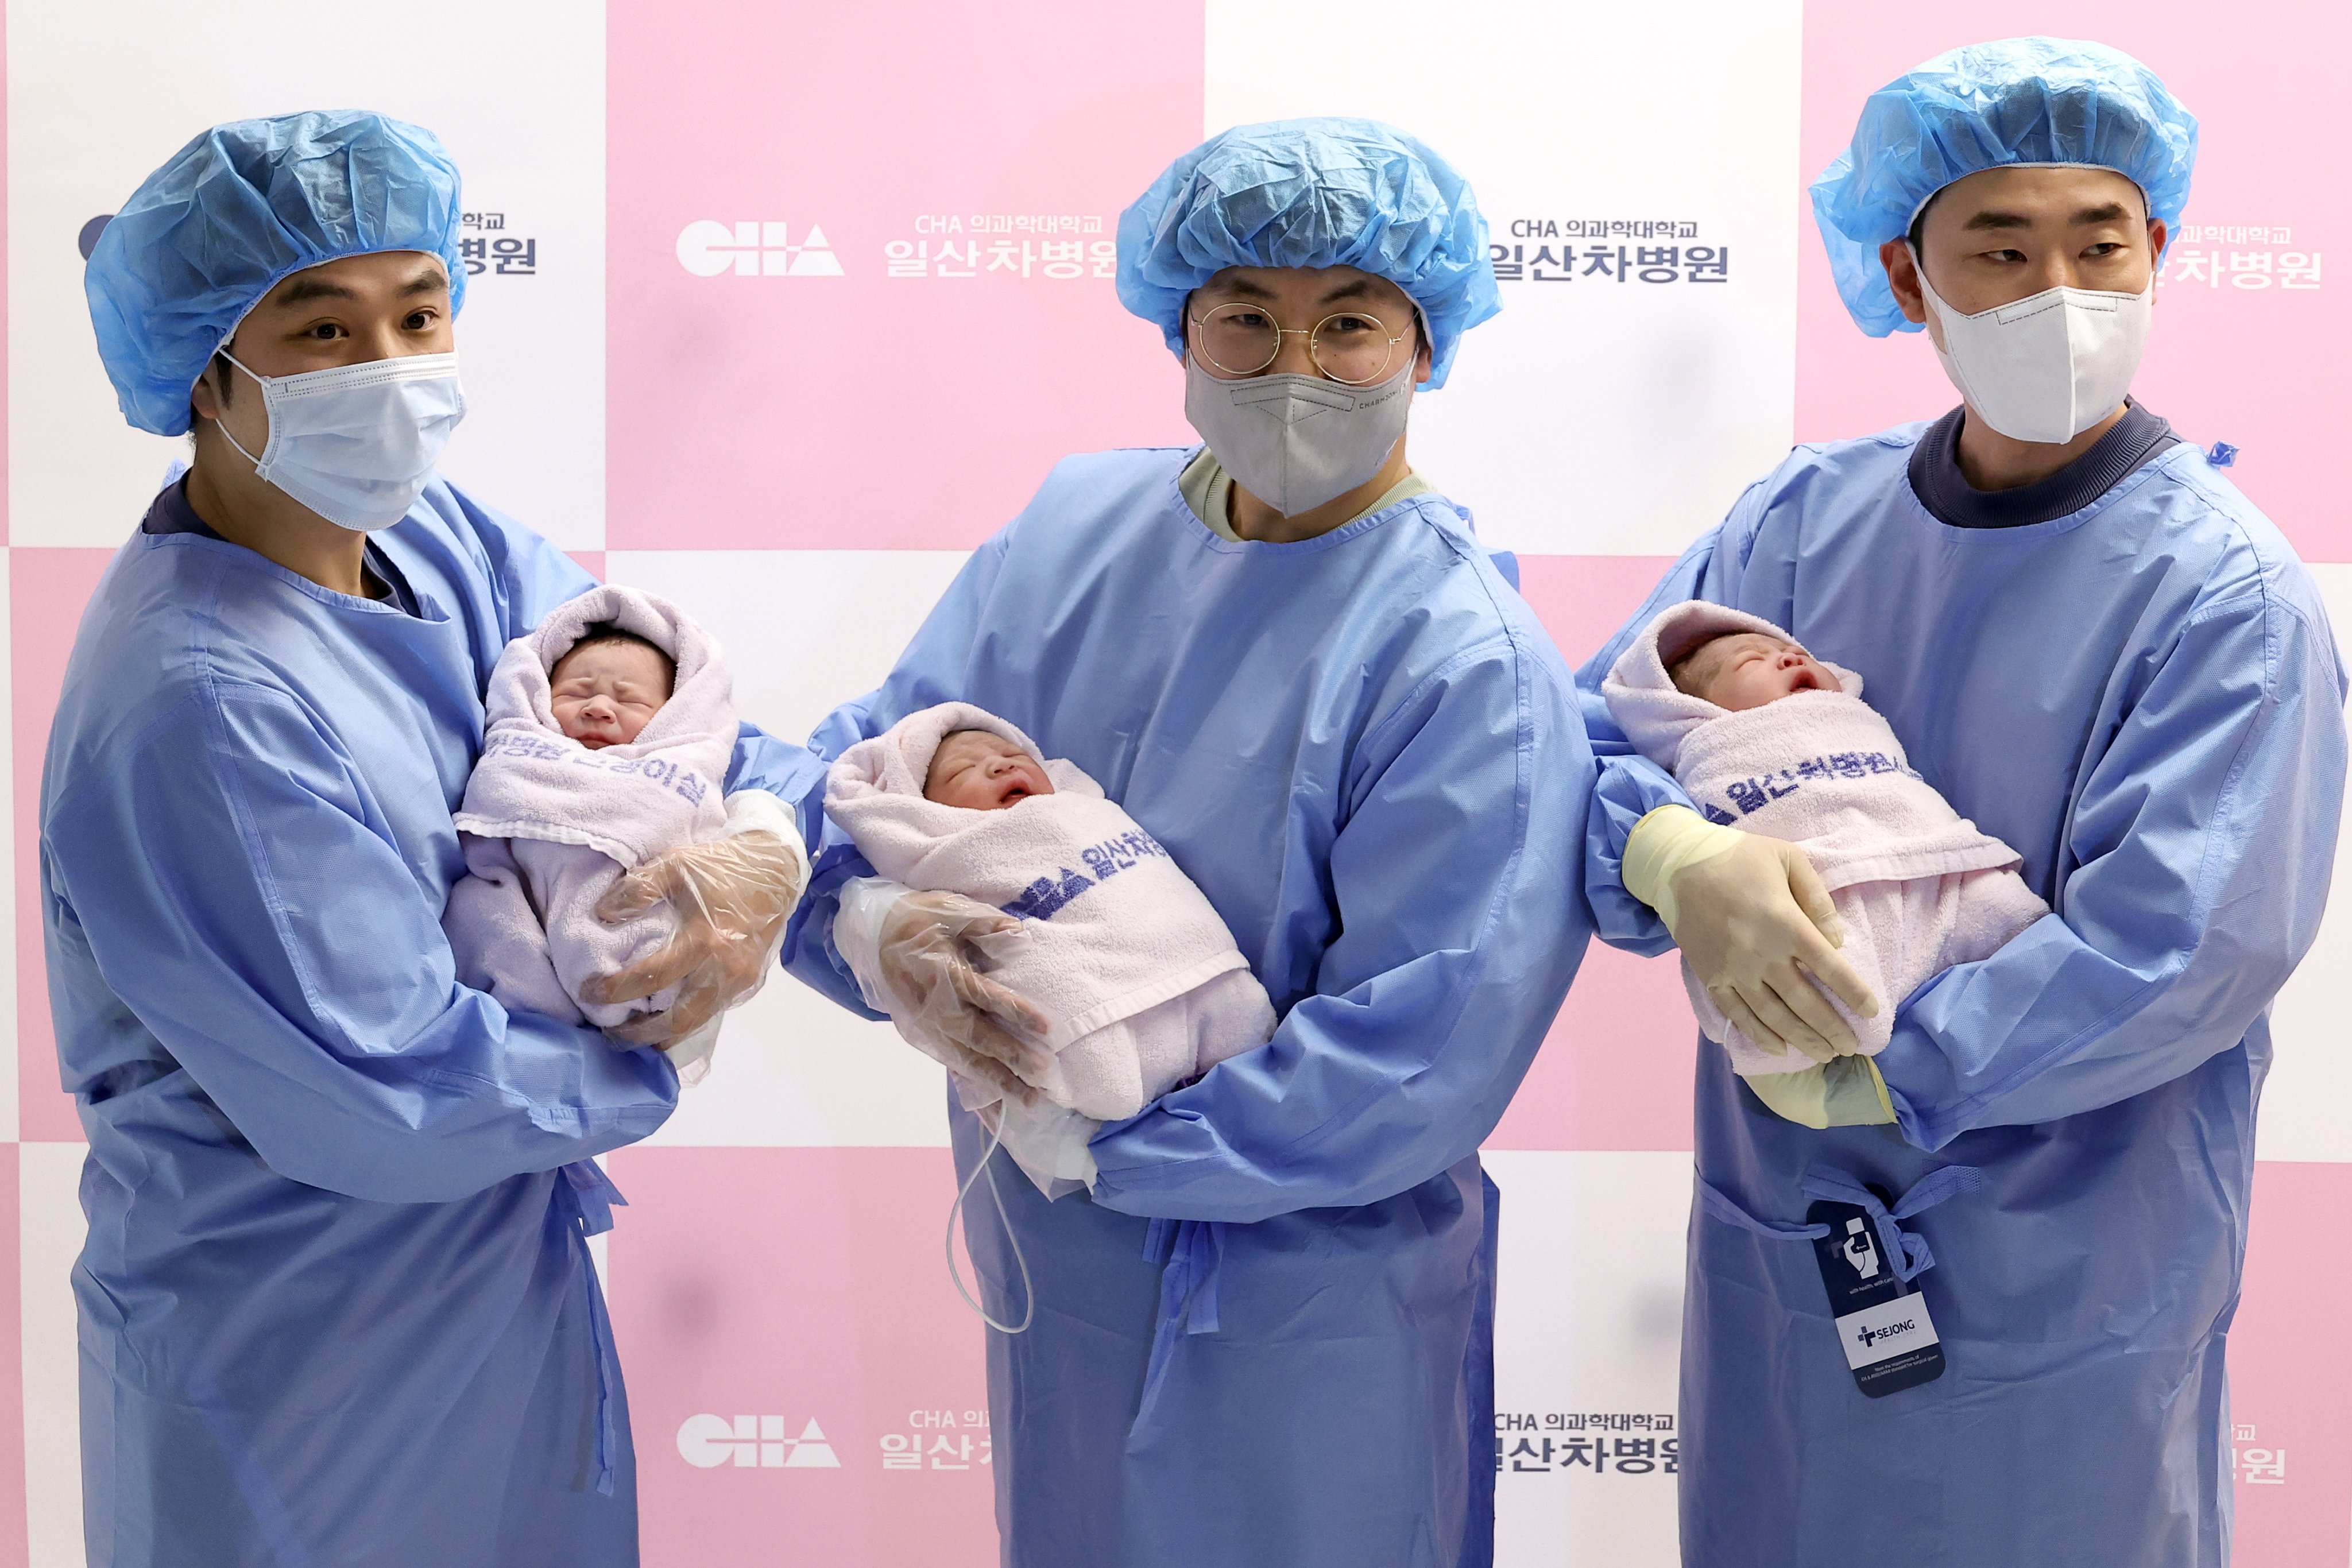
(1903, 278)
(1420, 361)
(204, 397)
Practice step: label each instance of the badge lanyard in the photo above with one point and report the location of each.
(1869, 1266)
(1883, 1325)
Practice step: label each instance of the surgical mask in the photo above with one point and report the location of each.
(1296, 442)
(2047, 367)
(356, 443)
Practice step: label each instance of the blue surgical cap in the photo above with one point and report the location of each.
(2021, 101)
(241, 206)
(1312, 192)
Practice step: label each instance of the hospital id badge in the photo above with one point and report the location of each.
(1882, 1323)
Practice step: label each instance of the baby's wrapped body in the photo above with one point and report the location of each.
(1139, 981)
(550, 824)
(1919, 887)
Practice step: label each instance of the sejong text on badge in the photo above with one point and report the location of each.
(1889, 1340)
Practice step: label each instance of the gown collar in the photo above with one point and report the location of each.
(1945, 491)
(172, 513)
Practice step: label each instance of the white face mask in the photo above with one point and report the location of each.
(1296, 442)
(2049, 366)
(356, 444)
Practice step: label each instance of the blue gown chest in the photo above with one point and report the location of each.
(2004, 680)
(1219, 693)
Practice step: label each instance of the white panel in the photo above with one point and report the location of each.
(2310, 1085)
(49, 1211)
(1591, 417)
(795, 1069)
(527, 135)
(805, 631)
(1587, 1321)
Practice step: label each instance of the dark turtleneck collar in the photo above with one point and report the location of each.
(1937, 480)
(173, 513)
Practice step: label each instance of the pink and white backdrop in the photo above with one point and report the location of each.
(780, 309)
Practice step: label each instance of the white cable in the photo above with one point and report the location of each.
(1028, 1289)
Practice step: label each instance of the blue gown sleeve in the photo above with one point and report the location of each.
(237, 891)
(2197, 863)
(1629, 786)
(793, 774)
(529, 575)
(920, 679)
(1453, 873)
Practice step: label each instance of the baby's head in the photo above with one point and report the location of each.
(1743, 670)
(608, 687)
(981, 771)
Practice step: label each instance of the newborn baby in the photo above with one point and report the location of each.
(1769, 740)
(981, 771)
(608, 737)
(604, 690)
(1139, 981)
(1737, 671)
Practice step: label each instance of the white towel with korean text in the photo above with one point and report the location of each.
(547, 825)
(1112, 927)
(1825, 770)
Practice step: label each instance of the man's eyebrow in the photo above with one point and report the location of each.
(1241, 285)
(2105, 212)
(1358, 288)
(426, 281)
(1991, 219)
(302, 289)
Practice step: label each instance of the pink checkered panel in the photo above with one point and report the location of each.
(779, 310)
(860, 260)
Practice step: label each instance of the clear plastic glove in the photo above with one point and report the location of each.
(921, 957)
(1756, 925)
(733, 895)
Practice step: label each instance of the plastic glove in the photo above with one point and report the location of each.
(733, 895)
(1756, 925)
(919, 956)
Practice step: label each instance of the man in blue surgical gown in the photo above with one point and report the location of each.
(335, 1305)
(2099, 650)
(1264, 1337)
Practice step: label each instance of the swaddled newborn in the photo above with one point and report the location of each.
(1769, 740)
(609, 733)
(1140, 983)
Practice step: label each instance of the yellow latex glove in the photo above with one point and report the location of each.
(1756, 925)
(1848, 1092)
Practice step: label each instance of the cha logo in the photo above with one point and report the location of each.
(707, 248)
(707, 1442)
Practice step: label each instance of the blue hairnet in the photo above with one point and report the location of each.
(1312, 192)
(241, 206)
(2021, 101)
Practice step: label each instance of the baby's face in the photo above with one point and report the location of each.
(606, 693)
(982, 772)
(1747, 669)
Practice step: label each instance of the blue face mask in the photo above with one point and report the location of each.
(356, 444)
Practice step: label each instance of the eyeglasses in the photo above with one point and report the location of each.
(1350, 346)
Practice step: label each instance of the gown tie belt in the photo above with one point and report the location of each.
(1908, 1251)
(590, 1197)
(1189, 1252)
